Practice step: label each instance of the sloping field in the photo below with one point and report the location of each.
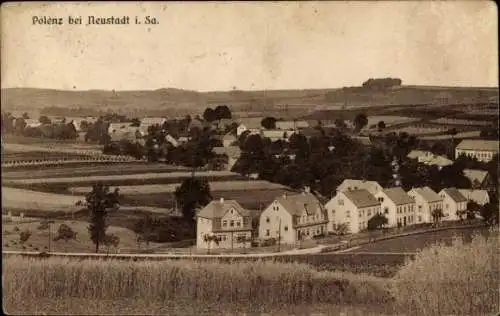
(389, 120)
(141, 177)
(214, 186)
(26, 199)
(471, 134)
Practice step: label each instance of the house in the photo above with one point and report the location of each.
(453, 203)
(249, 123)
(292, 218)
(479, 179)
(291, 125)
(149, 121)
(233, 153)
(275, 135)
(117, 128)
(353, 208)
(311, 132)
(354, 184)
(397, 206)
(481, 197)
(429, 158)
(426, 201)
(228, 140)
(225, 219)
(482, 150)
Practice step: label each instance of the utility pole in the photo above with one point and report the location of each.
(279, 236)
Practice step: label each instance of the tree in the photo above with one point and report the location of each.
(437, 214)
(209, 115)
(111, 240)
(340, 123)
(192, 194)
(490, 213)
(360, 121)
(99, 201)
(381, 125)
(65, 233)
(243, 239)
(44, 120)
(342, 229)
(136, 122)
(24, 236)
(222, 112)
(211, 238)
(377, 221)
(268, 122)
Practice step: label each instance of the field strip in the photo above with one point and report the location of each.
(238, 185)
(26, 199)
(167, 175)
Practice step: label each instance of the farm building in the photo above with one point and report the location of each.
(292, 218)
(453, 203)
(397, 206)
(426, 201)
(224, 220)
(482, 150)
(352, 208)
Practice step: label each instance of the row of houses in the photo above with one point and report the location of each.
(300, 216)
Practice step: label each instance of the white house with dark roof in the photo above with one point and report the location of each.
(353, 208)
(482, 150)
(225, 219)
(355, 184)
(293, 217)
(426, 201)
(397, 206)
(481, 197)
(453, 203)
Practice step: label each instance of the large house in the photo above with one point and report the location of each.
(426, 202)
(354, 184)
(482, 150)
(481, 197)
(352, 208)
(227, 221)
(293, 218)
(397, 206)
(453, 203)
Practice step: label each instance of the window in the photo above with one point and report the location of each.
(446, 206)
(341, 202)
(369, 212)
(347, 214)
(386, 210)
(232, 211)
(420, 218)
(420, 208)
(286, 228)
(238, 223)
(267, 220)
(224, 223)
(381, 199)
(267, 232)
(231, 223)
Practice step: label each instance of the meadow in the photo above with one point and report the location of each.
(467, 273)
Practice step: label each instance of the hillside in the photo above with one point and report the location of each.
(292, 101)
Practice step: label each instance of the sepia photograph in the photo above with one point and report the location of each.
(250, 158)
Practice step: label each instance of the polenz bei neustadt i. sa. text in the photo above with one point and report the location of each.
(93, 20)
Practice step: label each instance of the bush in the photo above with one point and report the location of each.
(467, 273)
(65, 233)
(16, 229)
(24, 236)
(43, 225)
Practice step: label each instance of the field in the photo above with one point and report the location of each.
(389, 120)
(467, 273)
(419, 130)
(26, 199)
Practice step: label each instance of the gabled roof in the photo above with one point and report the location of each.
(361, 198)
(414, 154)
(476, 175)
(398, 196)
(231, 151)
(218, 208)
(355, 184)
(473, 144)
(454, 194)
(427, 194)
(479, 196)
(296, 204)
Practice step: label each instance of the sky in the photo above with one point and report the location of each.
(251, 46)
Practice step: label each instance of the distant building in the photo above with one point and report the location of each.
(481, 197)
(150, 121)
(32, 123)
(228, 140)
(353, 184)
(293, 218)
(226, 220)
(233, 153)
(453, 203)
(275, 135)
(426, 201)
(479, 179)
(482, 150)
(353, 208)
(429, 158)
(249, 123)
(291, 125)
(397, 206)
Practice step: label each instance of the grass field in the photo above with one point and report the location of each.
(26, 199)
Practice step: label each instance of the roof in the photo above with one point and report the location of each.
(398, 196)
(276, 134)
(354, 184)
(361, 198)
(427, 194)
(251, 122)
(476, 175)
(472, 144)
(231, 151)
(118, 126)
(147, 121)
(217, 209)
(414, 154)
(287, 125)
(454, 194)
(479, 196)
(296, 204)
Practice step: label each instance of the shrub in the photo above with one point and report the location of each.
(467, 273)
(16, 229)
(65, 233)
(24, 236)
(43, 225)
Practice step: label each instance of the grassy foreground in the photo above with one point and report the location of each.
(461, 279)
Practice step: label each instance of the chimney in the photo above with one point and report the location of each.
(221, 200)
